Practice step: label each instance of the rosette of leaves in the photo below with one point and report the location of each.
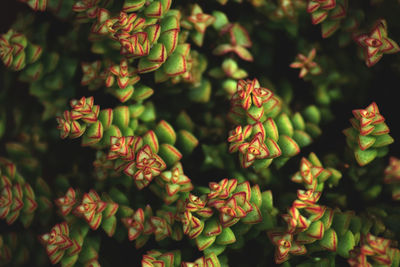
(17, 198)
(392, 177)
(96, 212)
(60, 246)
(141, 224)
(94, 74)
(125, 78)
(307, 221)
(369, 136)
(16, 51)
(329, 13)
(93, 209)
(149, 33)
(272, 133)
(155, 151)
(145, 167)
(67, 202)
(223, 215)
(69, 245)
(238, 42)
(171, 184)
(306, 64)
(198, 21)
(138, 224)
(376, 43)
(73, 123)
(373, 251)
(141, 157)
(323, 228)
(95, 125)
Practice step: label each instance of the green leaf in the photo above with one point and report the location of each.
(304, 238)
(106, 118)
(240, 35)
(123, 94)
(184, 122)
(261, 164)
(212, 227)
(284, 125)
(364, 157)
(109, 225)
(341, 222)
(132, 5)
(201, 93)
(93, 134)
(203, 241)
(149, 114)
(165, 132)
(253, 216)
(366, 141)
(220, 20)
(256, 197)
(329, 27)
(154, 10)
(186, 142)
(316, 230)
(169, 39)
(335, 177)
(267, 200)
(135, 111)
(312, 114)
(327, 218)
(146, 65)
(153, 33)
(215, 249)
(243, 53)
(329, 241)
(169, 154)
(157, 54)
(226, 237)
(302, 138)
(88, 252)
(288, 146)
(319, 16)
(298, 122)
(69, 261)
(169, 23)
(121, 117)
(313, 130)
(383, 140)
(150, 138)
(142, 92)
(271, 129)
(345, 244)
(175, 65)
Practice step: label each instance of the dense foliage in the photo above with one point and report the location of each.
(199, 133)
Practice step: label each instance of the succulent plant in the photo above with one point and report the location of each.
(176, 133)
